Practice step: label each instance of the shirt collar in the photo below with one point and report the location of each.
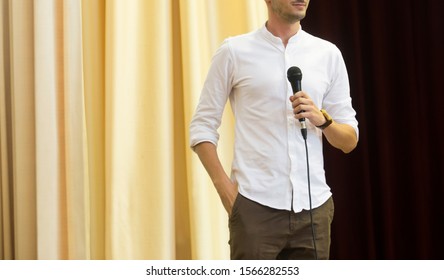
(276, 40)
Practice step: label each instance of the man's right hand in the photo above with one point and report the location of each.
(228, 193)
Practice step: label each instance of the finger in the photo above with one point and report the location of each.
(298, 94)
(299, 102)
(300, 115)
(298, 109)
(296, 105)
(301, 94)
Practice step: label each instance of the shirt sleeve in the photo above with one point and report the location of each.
(215, 93)
(337, 100)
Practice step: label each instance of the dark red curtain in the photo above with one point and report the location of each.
(389, 192)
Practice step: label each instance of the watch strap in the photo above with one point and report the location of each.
(328, 119)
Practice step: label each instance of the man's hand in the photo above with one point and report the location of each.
(304, 107)
(227, 193)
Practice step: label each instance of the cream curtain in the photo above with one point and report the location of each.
(95, 101)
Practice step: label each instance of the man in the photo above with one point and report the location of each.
(267, 196)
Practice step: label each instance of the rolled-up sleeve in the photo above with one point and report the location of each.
(215, 93)
(337, 100)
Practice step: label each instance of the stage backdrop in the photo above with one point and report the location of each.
(95, 103)
(389, 191)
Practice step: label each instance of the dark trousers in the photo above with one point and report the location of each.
(259, 232)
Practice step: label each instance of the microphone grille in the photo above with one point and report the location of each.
(294, 73)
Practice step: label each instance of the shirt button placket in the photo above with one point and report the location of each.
(291, 128)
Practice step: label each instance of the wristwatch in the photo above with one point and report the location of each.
(328, 122)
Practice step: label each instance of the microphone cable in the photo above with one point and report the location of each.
(313, 233)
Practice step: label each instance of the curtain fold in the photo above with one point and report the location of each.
(6, 228)
(93, 48)
(77, 171)
(21, 129)
(140, 197)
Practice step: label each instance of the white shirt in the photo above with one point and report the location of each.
(269, 162)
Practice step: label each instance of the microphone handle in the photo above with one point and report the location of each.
(298, 87)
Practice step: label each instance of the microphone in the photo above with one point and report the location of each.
(294, 76)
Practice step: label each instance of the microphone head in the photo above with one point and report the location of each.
(294, 74)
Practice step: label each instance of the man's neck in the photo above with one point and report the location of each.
(283, 30)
